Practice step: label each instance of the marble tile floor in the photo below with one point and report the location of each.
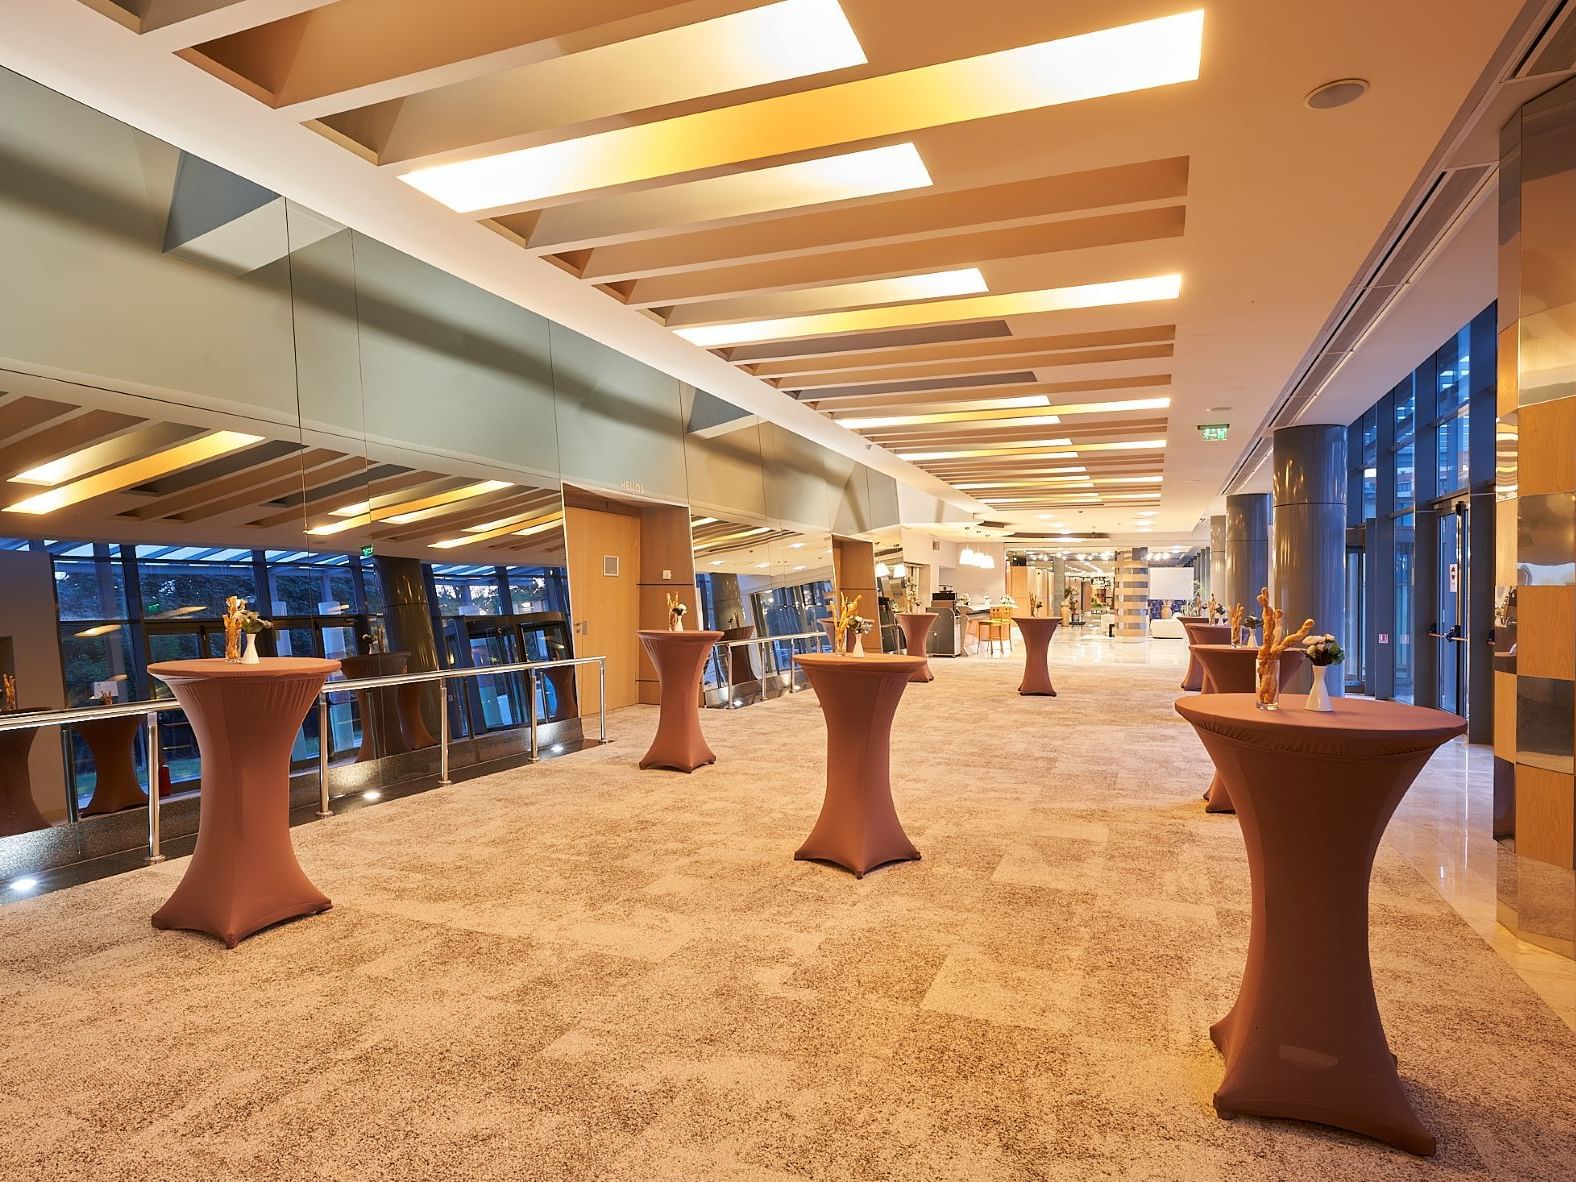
(1443, 828)
(583, 971)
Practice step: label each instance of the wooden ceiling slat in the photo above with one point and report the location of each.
(781, 367)
(84, 430)
(934, 371)
(24, 412)
(252, 480)
(289, 481)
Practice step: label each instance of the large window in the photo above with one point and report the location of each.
(1411, 459)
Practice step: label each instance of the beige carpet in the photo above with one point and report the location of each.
(581, 970)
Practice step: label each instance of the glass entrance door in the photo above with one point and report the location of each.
(1450, 606)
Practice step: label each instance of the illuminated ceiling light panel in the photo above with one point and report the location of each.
(1072, 69)
(136, 472)
(1003, 449)
(697, 522)
(952, 417)
(870, 172)
(1054, 481)
(999, 413)
(499, 522)
(103, 455)
(413, 510)
(897, 289)
(536, 525)
(1125, 445)
(771, 43)
(984, 307)
(720, 538)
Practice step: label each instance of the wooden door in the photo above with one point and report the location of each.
(604, 600)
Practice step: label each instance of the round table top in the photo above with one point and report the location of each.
(1205, 628)
(687, 635)
(1356, 726)
(1249, 649)
(1034, 620)
(873, 663)
(217, 668)
(916, 615)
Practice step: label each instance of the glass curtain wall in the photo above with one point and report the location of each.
(1412, 471)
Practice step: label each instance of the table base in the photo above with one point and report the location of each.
(685, 754)
(1304, 1040)
(209, 916)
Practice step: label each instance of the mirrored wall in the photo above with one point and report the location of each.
(207, 390)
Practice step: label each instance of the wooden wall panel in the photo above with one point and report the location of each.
(1546, 628)
(1546, 815)
(1547, 443)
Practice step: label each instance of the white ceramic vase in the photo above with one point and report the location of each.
(859, 645)
(1319, 695)
(249, 653)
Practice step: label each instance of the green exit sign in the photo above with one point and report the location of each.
(366, 551)
(1213, 432)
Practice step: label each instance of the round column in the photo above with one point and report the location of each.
(1217, 558)
(1309, 489)
(1247, 547)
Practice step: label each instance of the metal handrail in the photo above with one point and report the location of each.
(152, 708)
(726, 669)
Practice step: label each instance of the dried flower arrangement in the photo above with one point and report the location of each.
(843, 618)
(1276, 641)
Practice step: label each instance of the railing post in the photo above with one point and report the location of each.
(155, 847)
(768, 656)
(530, 679)
(443, 730)
(725, 673)
(601, 698)
(323, 809)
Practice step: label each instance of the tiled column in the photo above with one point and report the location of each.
(1217, 558)
(1132, 594)
(1535, 511)
(1308, 574)
(1247, 548)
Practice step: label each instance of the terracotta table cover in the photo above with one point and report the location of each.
(1200, 633)
(1314, 793)
(858, 827)
(1229, 670)
(679, 658)
(916, 630)
(18, 810)
(1037, 635)
(112, 742)
(243, 875)
(382, 727)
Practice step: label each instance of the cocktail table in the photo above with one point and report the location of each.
(1200, 633)
(1230, 669)
(679, 658)
(243, 875)
(858, 827)
(916, 630)
(1037, 635)
(1314, 793)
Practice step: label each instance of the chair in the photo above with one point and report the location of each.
(994, 630)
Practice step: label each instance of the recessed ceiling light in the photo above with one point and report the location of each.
(1071, 69)
(696, 522)
(1336, 94)
(983, 307)
(135, 472)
